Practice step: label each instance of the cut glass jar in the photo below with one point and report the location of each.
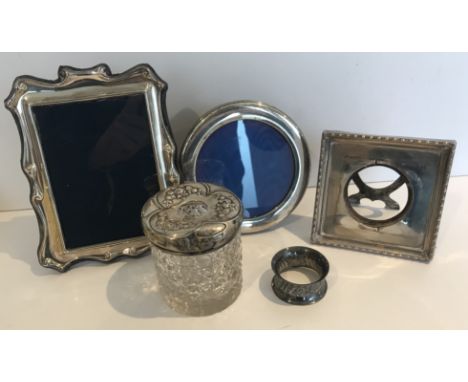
(194, 230)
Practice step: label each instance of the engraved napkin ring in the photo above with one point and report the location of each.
(295, 257)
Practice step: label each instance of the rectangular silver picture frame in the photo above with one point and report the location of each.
(75, 86)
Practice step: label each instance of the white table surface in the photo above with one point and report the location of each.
(365, 291)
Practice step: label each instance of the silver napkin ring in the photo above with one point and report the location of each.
(295, 257)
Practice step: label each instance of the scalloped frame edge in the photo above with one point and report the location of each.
(51, 251)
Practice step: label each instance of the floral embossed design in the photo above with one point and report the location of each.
(184, 217)
(192, 217)
(226, 205)
(175, 195)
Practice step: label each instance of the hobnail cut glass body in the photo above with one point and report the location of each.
(200, 284)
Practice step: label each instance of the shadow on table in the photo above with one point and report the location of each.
(132, 290)
(298, 225)
(19, 238)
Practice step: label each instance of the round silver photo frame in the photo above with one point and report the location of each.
(268, 115)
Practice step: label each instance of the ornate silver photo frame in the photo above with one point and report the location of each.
(95, 146)
(254, 150)
(423, 169)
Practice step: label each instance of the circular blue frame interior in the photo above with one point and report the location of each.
(251, 159)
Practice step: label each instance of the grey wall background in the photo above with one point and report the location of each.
(421, 95)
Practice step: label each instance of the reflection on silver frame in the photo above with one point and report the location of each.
(424, 166)
(262, 112)
(73, 84)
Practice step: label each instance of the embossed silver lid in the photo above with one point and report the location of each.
(192, 217)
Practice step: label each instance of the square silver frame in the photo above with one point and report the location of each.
(74, 84)
(425, 163)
